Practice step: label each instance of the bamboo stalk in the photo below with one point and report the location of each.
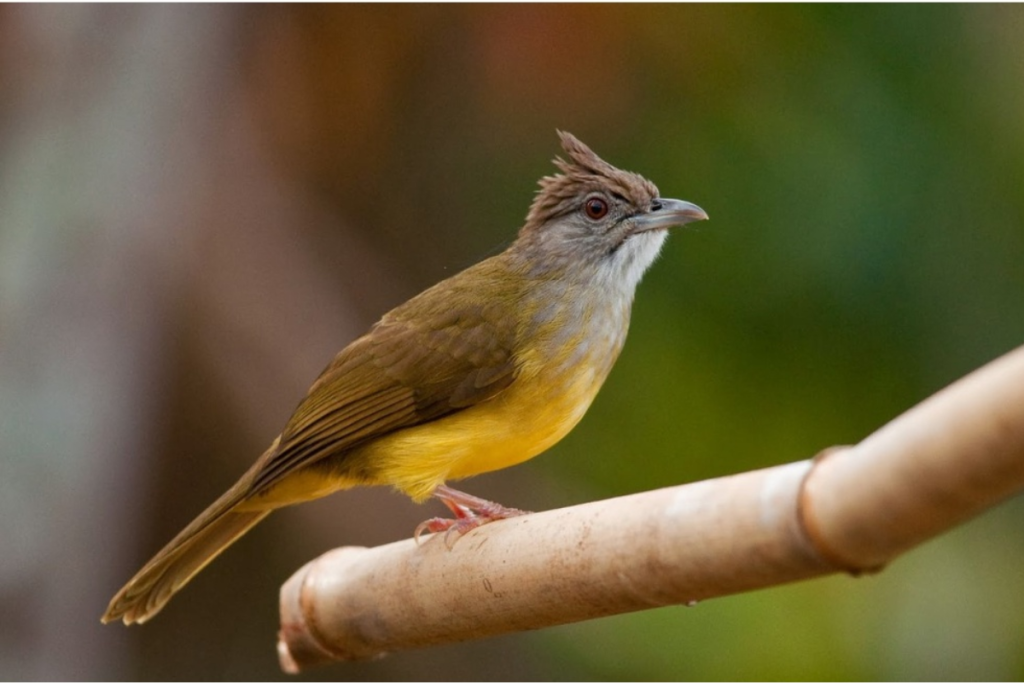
(853, 509)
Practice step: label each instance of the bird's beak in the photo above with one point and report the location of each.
(665, 213)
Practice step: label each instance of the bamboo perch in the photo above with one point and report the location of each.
(852, 509)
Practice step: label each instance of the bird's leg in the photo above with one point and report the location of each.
(470, 512)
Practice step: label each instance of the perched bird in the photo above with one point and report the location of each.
(481, 371)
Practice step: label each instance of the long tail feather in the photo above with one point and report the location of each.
(181, 559)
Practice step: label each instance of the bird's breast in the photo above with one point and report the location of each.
(566, 353)
(563, 356)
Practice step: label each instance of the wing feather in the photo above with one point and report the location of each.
(404, 372)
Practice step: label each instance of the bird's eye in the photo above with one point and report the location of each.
(596, 208)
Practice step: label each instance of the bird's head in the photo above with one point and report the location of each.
(593, 219)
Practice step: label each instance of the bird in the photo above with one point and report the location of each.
(482, 371)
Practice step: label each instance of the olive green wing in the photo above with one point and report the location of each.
(404, 372)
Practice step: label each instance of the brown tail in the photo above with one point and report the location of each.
(181, 559)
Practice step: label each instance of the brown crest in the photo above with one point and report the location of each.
(583, 173)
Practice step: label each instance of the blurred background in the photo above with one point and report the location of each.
(200, 205)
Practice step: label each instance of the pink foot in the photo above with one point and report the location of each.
(470, 512)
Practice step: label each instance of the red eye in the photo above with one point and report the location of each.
(596, 208)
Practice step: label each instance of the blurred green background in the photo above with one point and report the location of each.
(200, 205)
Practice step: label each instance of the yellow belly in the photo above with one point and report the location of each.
(524, 421)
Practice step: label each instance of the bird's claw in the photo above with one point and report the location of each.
(470, 512)
(432, 526)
